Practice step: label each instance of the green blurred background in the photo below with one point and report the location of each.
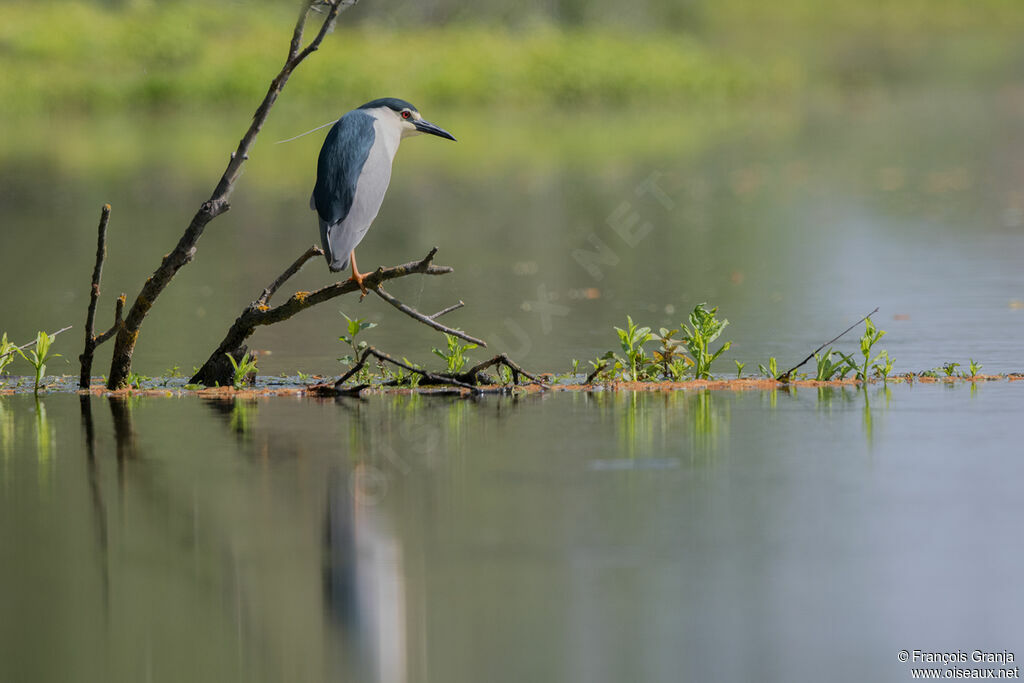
(821, 159)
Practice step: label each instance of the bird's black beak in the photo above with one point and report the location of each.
(427, 127)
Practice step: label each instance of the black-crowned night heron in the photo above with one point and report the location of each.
(353, 173)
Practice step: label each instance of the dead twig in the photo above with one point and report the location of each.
(453, 307)
(597, 371)
(94, 295)
(471, 376)
(118, 311)
(217, 368)
(92, 340)
(336, 388)
(428, 320)
(184, 251)
(784, 377)
(292, 270)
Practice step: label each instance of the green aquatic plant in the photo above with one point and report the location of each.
(632, 340)
(771, 371)
(867, 341)
(504, 374)
(950, 368)
(413, 378)
(739, 368)
(974, 368)
(669, 357)
(39, 355)
(241, 369)
(7, 351)
(704, 328)
(455, 355)
(353, 328)
(883, 365)
(828, 368)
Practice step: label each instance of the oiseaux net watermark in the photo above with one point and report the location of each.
(980, 664)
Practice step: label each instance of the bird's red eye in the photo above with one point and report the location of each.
(406, 114)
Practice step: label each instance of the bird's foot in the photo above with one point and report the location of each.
(359, 279)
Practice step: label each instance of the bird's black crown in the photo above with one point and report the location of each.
(391, 103)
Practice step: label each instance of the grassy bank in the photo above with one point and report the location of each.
(79, 56)
(87, 57)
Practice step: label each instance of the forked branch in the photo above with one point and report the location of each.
(92, 340)
(429, 320)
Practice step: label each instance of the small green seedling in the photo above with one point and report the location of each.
(870, 337)
(455, 356)
(354, 327)
(135, 380)
(950, 368)
(632, 340)
(413, 378)
(739, 368)
(7, 351)
(303, 377)
(704, 328)
(974, 368)
(242, 369)
(771, 370)
(883, 365)
(38, 356)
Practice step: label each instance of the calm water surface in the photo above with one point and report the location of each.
(660, 537)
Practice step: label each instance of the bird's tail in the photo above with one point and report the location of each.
(335, 261)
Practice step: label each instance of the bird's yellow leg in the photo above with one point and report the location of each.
(357, 277)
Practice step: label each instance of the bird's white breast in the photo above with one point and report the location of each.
(374, 179)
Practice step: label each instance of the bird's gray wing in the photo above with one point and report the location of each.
(338, 169)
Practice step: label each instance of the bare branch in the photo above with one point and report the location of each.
(453, 307)
(258, 313)
(118, 321)
(300, 27)
(85, 359)
(292, 270)
(597, 371)
(426, 320)
(471, 375)
(784, 377)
